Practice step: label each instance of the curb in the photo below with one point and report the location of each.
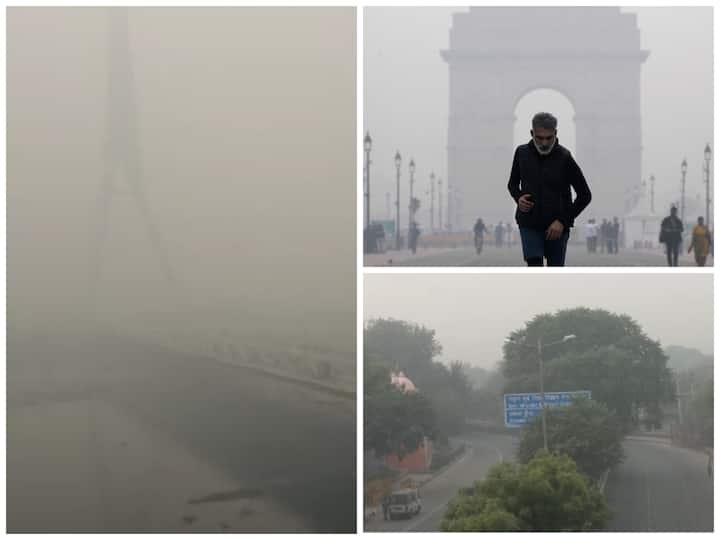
(448, 465)
(317, 385)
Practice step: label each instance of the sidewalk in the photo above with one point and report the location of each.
(402, 256)
(416, 480)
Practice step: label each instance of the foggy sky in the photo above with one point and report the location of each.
(474, 314)
(246, 126)
(406, 99)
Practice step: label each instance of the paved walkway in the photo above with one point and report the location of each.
(512, 256)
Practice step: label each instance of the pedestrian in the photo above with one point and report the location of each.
(499, 232)
(701, 242)
(413, 235)
(671, 230)
(609, 236)
(615, 234)
(591, 235)
(508, 234)
(542, 175)
(479, 229)
(602, 237)
(385, 506)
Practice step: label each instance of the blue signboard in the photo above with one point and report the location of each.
(521, 408)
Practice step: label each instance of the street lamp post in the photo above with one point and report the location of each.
(411, 209)
(450, 207)
(367, 143)
(440, 205)
(542, 392)
(652, 193)
(708, 154)
(398, 162)
(432, 202)
(542, 381)
(539, 347)
(683, 170)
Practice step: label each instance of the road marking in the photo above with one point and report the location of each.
(434, 511)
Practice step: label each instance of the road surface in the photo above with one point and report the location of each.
(118, 437)
(512, 256)
(484, 451)
(660, 488)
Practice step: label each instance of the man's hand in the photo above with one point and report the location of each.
(554, 230)
(525, 204)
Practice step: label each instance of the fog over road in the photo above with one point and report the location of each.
(485, 450)
(126, 443)
(577, 255)
(660, 488)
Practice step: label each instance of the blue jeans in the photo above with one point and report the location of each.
(536, 248)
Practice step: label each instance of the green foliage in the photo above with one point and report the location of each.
(486, 400)
(409, 346)
(697, 427)
(611, 356)
(547, 494)
(585, 430)
(394, 422)
(412, 348)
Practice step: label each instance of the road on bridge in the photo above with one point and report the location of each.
(125, 439)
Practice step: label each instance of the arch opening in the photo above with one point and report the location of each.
(545, 100)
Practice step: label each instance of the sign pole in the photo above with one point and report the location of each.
(542, 393)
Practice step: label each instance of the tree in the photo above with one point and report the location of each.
(585, 430)
(407, 346)
(610, 356)
(394, 422)
(702, 413)
(546, 494)
(486, 400)
(412, 348)
(696, 402)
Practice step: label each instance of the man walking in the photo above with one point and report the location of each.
(671, 230)
(701, 242)
(615, 234)
(499, 232)
(603, 235)
(591, 235)
(542, 174)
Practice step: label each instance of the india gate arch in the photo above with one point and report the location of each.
(591, 55)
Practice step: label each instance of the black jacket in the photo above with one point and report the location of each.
(548, 179)
(671, 230)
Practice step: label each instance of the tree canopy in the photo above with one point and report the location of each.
(546, 494)
(611, 356)
(412, 348)
(585, 430)
(394, 422)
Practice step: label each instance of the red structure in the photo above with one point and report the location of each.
(418, 460)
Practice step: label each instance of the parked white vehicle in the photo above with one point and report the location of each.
(404, 502)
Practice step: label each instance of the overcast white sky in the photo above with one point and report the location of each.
(246, 127)
(473, 314)
(406, 97)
